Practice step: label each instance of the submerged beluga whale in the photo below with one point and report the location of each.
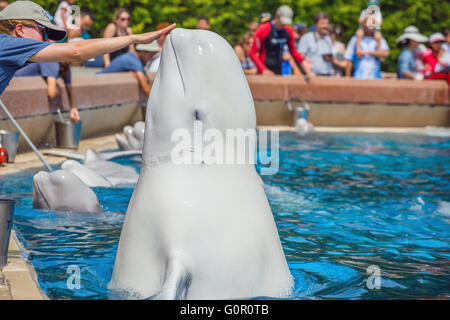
(63, 191)
(198, 231)
(96, 169)
(134, 137)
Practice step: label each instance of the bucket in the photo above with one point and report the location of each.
(300, 113)
(67, 134)
(10, 141)
(6, 220)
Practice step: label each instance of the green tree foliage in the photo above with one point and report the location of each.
(230, 18)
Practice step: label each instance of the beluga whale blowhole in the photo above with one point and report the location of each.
(198, 230)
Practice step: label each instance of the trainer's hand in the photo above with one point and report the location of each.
(74, 115)
(149, 37)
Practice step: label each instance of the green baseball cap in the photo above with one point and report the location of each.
(373, 3)
(28, 10)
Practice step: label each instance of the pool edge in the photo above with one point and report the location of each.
(19, 275)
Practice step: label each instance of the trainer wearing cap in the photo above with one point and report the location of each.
(134, 62)
(271, 40)
(25, 28)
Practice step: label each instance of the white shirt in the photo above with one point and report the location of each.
(367, 67)
(313, 47)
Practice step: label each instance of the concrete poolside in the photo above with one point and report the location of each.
(18, 279)
(30, 160)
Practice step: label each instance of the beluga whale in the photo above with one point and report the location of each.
(95, 171)
(134, 137)
(63, 191)
(202, 229)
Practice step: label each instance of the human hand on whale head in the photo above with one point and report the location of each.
(82, 51)
(149, 37)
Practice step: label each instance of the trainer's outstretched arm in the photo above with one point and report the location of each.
(87, 49)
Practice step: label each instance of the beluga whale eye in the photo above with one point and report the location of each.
(198, 115)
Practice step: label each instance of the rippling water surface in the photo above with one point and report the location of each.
(346, 207)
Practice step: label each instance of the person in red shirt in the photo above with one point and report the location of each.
(431, 56)
(271, 40)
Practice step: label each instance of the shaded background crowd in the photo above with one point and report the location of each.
(312, 38)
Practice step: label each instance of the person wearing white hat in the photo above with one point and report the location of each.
(135, 62)
(409, 40)
(25, 28)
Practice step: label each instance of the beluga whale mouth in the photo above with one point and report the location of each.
(169, 38)
(198, 231)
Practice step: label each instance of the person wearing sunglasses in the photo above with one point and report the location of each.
(118, 28)
(24, 26)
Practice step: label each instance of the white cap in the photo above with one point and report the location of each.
(435, 37)
(286, 14)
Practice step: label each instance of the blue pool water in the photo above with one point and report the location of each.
(342, 203)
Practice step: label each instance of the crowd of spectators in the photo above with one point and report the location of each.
(270, 46)
(278, 48)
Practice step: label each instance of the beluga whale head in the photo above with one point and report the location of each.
(200, 80)
(63, 191)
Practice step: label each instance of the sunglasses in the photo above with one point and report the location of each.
(42, 30)
(125, 19)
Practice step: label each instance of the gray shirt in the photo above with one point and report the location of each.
(313, 47)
